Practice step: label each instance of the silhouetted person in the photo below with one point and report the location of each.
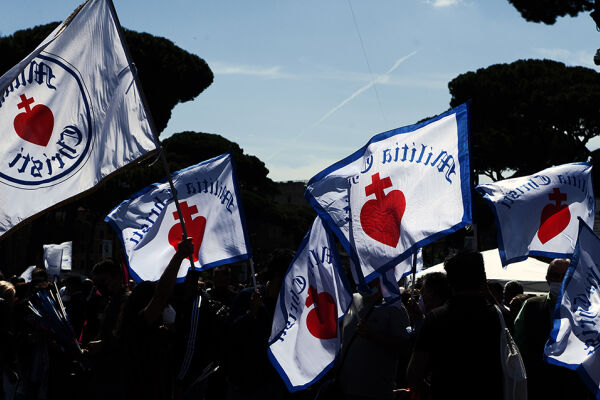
(458, 346)
(532, 330)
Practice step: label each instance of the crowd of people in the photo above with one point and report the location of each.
(169, 340)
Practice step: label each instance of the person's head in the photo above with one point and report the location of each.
(466, 272)
(435, 291)
(221, 277)
(107, 277)
(7, 292)
(138, 299)
(7, 299)
(373, 292)
(39, 276)
(496, 290)
(556, 273)
(511, 289)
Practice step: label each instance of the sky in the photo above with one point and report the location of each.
(303, 84)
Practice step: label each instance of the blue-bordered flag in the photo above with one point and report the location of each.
(403, 190)
(536, 215)
(149, 228)
(314, 296)
(575, 337)
(71, 114)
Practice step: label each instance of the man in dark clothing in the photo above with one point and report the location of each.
(532, 330)
(458, 346)
(103, 350)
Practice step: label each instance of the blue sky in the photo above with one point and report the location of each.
(292, 83)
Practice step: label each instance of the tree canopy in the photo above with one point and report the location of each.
(529, 115)
(168, 74)
(547, 11)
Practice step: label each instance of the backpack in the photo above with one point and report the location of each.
(514, 376)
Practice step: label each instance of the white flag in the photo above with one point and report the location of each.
(575, 337)
(70, 114)
(407, 187)
(305, 337)
(57, 257)
(389, 279)
(149, 228)
(536, 215)
(27, 273)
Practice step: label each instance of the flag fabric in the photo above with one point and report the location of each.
(389, 279)
(149, 228)
(27, 273)
(403, 190)
(57, 257)
(70, 115)
(575, 337)
(314, 297)
(536, 215)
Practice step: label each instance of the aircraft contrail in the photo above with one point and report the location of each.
(329, 113)
(362, 89)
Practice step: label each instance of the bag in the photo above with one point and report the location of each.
(513, 369)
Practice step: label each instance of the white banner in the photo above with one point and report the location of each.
(27, 273)
(408, 187)
(70, 114)
(57, 257)
(149, 228)
(305, 337)
(575, 337)
(537, 215)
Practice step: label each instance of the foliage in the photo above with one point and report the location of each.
(168, 74)
(529, 115)
(547, 11)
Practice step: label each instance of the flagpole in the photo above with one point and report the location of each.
(150, 121)
(414, 270)
(252, 272)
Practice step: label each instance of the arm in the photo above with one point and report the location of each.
(167, 281)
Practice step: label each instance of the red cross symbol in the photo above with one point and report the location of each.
(25, 103)
(377, 185)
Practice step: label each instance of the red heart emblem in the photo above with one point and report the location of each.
(35, 124)
(194, 226)
(555, 217)
(322, 319)
(381, 218)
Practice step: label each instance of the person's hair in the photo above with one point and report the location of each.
(7, 291)
(107, 267)
(437, 282)
(39, 274)
(511, 289)
(136, 301)
(465, 271)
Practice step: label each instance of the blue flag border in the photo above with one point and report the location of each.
(537, 253)
(145, 190)
(344, 279)
(556, 324)
(462, 113)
